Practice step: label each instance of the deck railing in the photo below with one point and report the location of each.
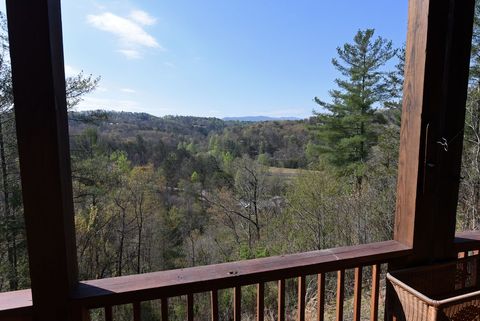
(165, 285)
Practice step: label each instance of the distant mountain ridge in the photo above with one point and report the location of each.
(259, 118)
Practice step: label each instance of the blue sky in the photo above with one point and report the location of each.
(217, 57)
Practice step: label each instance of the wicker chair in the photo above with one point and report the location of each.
(448, 291)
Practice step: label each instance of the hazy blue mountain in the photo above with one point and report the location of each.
(258, 118)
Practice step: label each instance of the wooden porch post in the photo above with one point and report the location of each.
(36, 51)
(435, 91)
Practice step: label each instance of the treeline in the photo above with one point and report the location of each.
(160, 193)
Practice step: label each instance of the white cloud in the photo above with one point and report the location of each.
(142, 18)
(71, 71)
(169, 64)
(92, 103)
(130, 53)
(131, 35)
(128, 90)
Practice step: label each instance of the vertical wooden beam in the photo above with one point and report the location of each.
(137, 311)
(435, 88)
(108, 313)
(214, 304)
(357, 294)
(237, 303)
(36, 51)
(302, 291)
(375, 294)
(164, 309)
(190, 307)
(340, 294)
(320, 296)
(260, 301)
(281, 300)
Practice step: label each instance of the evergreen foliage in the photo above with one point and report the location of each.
(346, 127)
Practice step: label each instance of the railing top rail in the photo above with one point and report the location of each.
(149, 286)
(16, 302)
(467, 241)
(141, 287)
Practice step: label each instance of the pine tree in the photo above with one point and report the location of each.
(346, 127)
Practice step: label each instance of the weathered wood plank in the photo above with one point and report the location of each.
(151, 286)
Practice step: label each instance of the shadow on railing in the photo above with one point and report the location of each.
(165, 285)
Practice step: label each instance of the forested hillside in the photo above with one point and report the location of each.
(156, 193)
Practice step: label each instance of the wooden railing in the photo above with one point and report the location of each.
(165, 285)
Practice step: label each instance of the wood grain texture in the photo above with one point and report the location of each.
(340, 294)
(151, 286)
(375, 293)
(357, 294)
(20, 302)
(435, 88)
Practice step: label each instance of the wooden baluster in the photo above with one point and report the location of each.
(190, 307)
(301, 298)
(260, 301)
(214, 304)
(281, 300)
(108, 313)
(137, 312)
(340, 294)
(357, 294)
(320, 296)
(83, 315)
(237, 303)
(375, 292)
(164, 308)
